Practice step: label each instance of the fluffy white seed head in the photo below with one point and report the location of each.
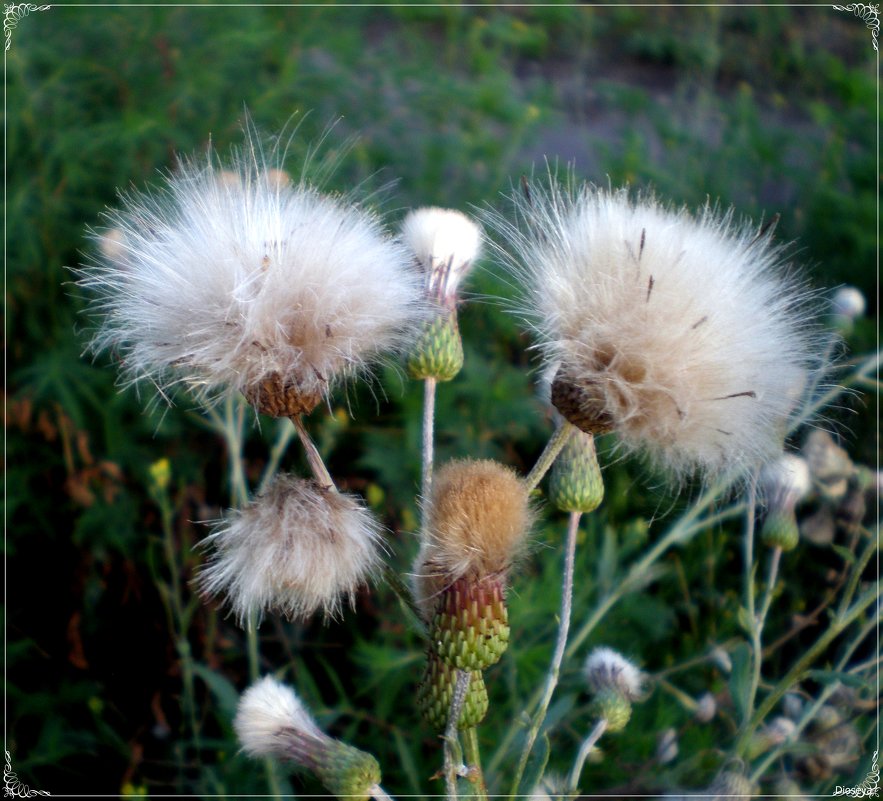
(786, 481)
(222, 279)
(687, 332)
(298, 549)
(606, 669)
(446, 244)
(272, 721)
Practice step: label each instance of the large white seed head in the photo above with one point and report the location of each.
(446, 243)
(223, 279)
(298, 549)
(688, 334)
(606, 669)
(271, 720)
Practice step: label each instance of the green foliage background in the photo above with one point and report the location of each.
(769, 109)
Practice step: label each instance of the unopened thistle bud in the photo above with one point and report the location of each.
(271, 721)
(575, 484)
(706, 708)
(829, 465)
(732, 786)
(445, 243)
(438, 352)
(784, 483)
(615, 683)
(437, 690)
(477, 521)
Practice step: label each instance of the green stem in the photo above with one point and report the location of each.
(857, 571)
(428, 444)
(473, 759)
(584, 750)
(557, 656)
(838, 625)
(810, 713)
(284, 434)
(685, 528)
(452, 753)
(553, 447)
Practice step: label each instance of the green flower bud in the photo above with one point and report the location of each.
(575, 484)
(470, 630)
(347, 772)
(614, 707)
(437, 689)
(438, 352)
(780, 529)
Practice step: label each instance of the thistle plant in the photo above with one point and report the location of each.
(683, 338)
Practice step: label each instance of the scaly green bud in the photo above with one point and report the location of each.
(576, 484)
(780, 529)
(347, 772)
(437, 689)
(438, 352)
(614, 707)
(470, 630)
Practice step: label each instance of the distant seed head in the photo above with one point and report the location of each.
(269, 717)
(298, 549)
(848, 303)
(242, 279)
(606, 669)
(785, 481)
(446, 244)
(683, 334)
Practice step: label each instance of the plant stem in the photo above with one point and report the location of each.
(553, 447)
(378, 793)
(317, 466)
(428, 451)
(838, 625)
(757, 624)
(584, 751)
(810, 713)
(858, 570)
(473, 759)
(558, 655)
(284, 433)
(450, 760)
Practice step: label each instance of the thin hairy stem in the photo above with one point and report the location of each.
(553, 447)
(284, 432)
(810, 713)
(748, 569)
(473, 761)
(838, 625)
(428, 451)
(557, 656)
(584, 750)
(452, 759)
(378, 793)
(682, 531)
(314, 460)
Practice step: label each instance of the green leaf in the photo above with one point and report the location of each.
(536, 765)
(833, 676)
(740, 679)
(223, 690)
(744, 620)
(844, 553)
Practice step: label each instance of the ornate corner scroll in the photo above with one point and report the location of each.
(869, 14)
(12, 787)
(14, 13)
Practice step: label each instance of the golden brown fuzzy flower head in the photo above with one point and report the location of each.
(477, 519)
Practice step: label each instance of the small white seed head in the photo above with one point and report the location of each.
(606, 669)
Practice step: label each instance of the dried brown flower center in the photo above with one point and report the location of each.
(276, 397)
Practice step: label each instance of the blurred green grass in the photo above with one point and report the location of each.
(770, 109)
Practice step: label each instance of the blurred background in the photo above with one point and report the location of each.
(771, 110)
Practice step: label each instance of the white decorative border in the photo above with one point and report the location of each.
(12, 16)
(870, 16)
(869, 788)
(13, 787)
